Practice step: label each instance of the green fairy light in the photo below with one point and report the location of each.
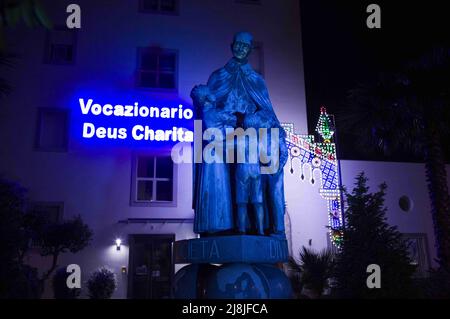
(324, 126)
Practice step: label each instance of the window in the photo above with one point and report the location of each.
(418, 252)
(51, 211)
(153, 181)
(52, 126)
(249, 1)
(60, 46)
(405, 203)
(46, 213)
(157, 68)
(159, 6)
(256, 58)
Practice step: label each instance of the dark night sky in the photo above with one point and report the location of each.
(340, 51)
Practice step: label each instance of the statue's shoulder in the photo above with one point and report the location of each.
(217, 74)
(250, 72)
(219, 71)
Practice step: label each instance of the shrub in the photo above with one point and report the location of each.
(102, 284)
(312, 272)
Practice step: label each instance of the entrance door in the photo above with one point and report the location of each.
(150, 267)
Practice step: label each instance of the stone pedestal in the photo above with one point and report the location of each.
(232, 267)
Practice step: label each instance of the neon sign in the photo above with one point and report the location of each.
(133, 122)
(134, 110)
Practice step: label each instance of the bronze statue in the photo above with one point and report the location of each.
(237, 96)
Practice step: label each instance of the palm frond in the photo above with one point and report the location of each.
(390, 114)
(382, 119)
(8, 61)
(31, 12)
(5, 88)
(316, 268)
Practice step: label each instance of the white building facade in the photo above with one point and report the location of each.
(157, 51)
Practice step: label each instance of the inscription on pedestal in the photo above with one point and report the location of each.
(202, 249)
(231, 249)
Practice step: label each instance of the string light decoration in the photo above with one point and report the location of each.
(319, 158)
(324, 126)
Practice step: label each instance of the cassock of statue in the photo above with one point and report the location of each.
(212, 195)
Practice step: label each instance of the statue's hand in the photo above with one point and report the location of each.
(195, 94)
(260, 119)
(228, 119)
(252, 120)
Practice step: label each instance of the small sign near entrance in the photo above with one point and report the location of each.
(141, 270)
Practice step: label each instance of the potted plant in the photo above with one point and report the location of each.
(60, 289)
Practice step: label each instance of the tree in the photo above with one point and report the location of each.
(6, 60)
(19, 229)
(437, 284)
(13, 274)
(55, 239)
(313, 270)
(12, 12)
(408, 112)
(368, 239)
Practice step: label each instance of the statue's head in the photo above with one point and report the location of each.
(242, 45)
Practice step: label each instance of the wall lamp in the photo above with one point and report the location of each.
(118, 243)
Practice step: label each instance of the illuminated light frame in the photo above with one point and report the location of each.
(321, 158)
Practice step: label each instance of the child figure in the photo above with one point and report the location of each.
(248, 179)
(212, 205)
(249, 190)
